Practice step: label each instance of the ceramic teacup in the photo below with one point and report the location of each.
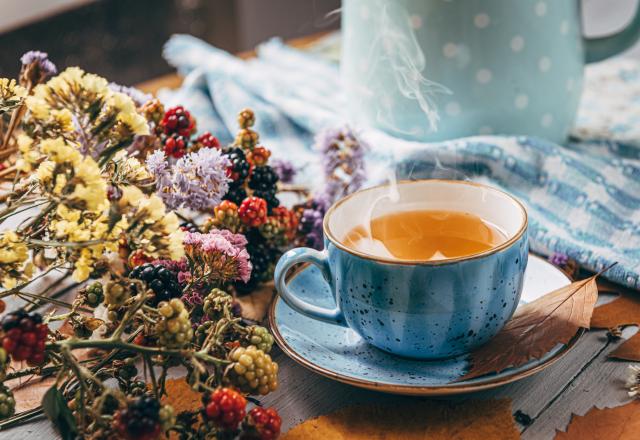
(425, 310)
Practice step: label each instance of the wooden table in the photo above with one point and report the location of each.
(580, 380)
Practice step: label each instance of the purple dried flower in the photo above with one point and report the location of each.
(311, 222)
(198, 180)
(139, 97)
(285, 170)
(342, 161)
(559, 259)
(36, 67)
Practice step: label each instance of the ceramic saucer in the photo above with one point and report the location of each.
(339, 353)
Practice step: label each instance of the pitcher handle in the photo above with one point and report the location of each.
(321, 261)
(598, 49)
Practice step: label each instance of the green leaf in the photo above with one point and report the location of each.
(56, 409)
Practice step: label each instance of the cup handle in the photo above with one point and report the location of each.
(598, 49)
(318, 259)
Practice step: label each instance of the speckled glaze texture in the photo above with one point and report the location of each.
(339, 352)
(425, 311)
(417, 309)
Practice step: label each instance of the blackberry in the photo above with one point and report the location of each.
(253, 211)
(174, 328)
(260, 337)
(140, 420)
(176, 145)
(207, 140)
(269, 197)
(263, 179)
(224, 408)
(240, 167)
(137, 388)
(25, 336)
(215, 304)
(189, 227)
(94, 294)
(161, 280)
(252, 371)
(262, 424)
(236, 194)
(262, 260)
(246, 118)
(225, 216)
(7, 402)
(178, 120)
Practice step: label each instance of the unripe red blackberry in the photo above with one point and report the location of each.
(252, 371)
(225, 407)
(25, 336)
(253, 211)
(225, 216)
(207, 140)
(288, 219)
(175, 145)
(140, 420)
(179, 121)
(262, 424)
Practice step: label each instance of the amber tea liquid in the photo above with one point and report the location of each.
(425, 235)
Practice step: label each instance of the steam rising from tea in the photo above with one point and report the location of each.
(425, 235)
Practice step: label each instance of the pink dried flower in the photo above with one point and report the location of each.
(217, 257)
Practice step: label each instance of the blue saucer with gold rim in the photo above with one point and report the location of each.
(341, 354)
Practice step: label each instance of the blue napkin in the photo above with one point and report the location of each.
(583, 198)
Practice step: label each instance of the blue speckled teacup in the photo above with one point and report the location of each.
(425, 310)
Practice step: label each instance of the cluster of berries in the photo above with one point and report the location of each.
(158, 278)
(174, 328)
(24, 336)
(175, 130)
(251, 205)
(252, 370)
(143, 419)
(225, 409)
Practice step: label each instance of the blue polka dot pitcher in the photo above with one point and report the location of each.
(433, 70)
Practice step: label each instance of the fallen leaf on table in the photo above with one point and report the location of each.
(256, 304)
(181, 396)
(536, 328)
(419, 420)
(622, 311)
(620, 423)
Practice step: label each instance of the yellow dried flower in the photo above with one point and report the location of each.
(150, 228)
(13, 254)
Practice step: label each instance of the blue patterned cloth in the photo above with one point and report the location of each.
(583, 198)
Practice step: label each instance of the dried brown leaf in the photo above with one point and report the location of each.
(622, 311)
(536, 328)
(256, 305)
(620, 423)
(419, 420)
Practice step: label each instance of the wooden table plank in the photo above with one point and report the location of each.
(601, 384)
